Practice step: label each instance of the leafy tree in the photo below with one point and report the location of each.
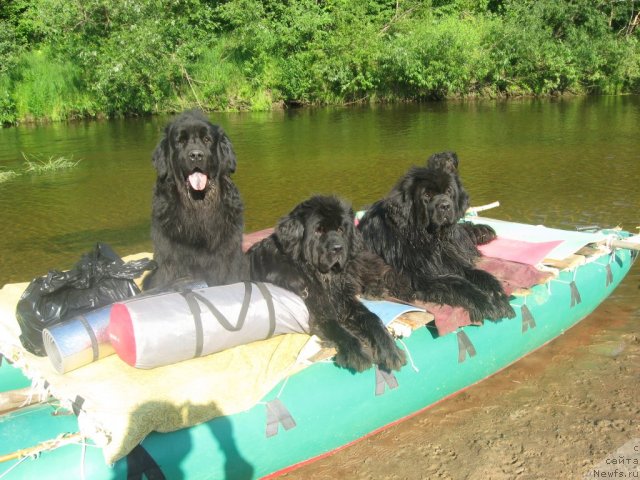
(66, 58)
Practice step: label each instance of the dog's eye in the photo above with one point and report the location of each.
(319, 231)
(207, 139)
(339, 230)
(450, 191)
(426, 196)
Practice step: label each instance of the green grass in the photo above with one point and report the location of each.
(48, 89)
(36, 165)
(6, 175)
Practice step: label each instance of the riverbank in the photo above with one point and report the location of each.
(107, 59)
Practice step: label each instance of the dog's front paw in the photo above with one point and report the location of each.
(505, 309)
(501, 308)
(354, 357)
(476, 315)
(480, 306)
(483, 234)
(391, 357)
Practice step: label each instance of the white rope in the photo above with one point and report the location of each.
(524, 301)
(83, 453)
(406, 349)
(608, 241)
(473, 211)
(4, 474)
(283, 385)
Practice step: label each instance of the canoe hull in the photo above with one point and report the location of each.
(331, 407)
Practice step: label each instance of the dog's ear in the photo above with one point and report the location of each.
(290, 233)
(398, 206)
(447, 161)
(160, 158)
(456, 196)
(226, 155)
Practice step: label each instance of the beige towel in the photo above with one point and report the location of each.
(121, 405)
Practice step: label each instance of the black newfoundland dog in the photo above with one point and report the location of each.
(415, 230)
(317, 253)
(448, 161)
(196, 220)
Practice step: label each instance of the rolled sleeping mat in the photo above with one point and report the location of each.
(151, 331)
(78, 341)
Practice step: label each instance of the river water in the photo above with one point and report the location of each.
(565, 162)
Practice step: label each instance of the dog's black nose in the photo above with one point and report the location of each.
(444, 207)
(196, 155)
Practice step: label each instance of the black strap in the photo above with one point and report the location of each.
(266, 294)
(527, 319)
(7, 359)
(139, 463)
(92, 335)
(194, 307)
(609, 279)
(464, 346)
(618, 259)
(242, 316)
(575, 294)
(218, 314)
(76, 405)
(385, 378)
(278, 414)
(193, 301)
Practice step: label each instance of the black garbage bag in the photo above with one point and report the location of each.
(100, 278)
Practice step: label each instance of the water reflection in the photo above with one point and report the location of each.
(562, 162)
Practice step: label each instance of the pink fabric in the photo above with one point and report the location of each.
(250, 238)
(447, 318)
(512, 275)
(517, 250)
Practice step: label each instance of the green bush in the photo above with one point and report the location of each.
(8, 114)
(437, 58)
(49, 89)
(61, 59)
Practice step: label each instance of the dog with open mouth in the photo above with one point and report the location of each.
(197, 211)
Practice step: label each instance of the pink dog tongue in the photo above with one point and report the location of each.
(198, 181)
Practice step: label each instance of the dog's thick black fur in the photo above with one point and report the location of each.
(197, 212)
(317, 253)
(415, 230)
(448, 161)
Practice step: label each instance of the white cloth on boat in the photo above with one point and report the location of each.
(571, 241)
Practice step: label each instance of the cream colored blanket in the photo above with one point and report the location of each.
(120, 405)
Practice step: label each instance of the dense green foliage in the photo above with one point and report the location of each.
(61, 59)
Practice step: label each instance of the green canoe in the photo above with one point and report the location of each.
(321, 408)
